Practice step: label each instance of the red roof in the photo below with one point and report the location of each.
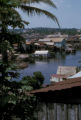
(67, 84)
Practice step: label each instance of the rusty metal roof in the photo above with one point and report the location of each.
(67, 84)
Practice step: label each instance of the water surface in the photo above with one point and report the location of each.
(49, 66)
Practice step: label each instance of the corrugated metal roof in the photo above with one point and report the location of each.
(76, 75)
(56, 39)
(41, 52)
(66, 70)
(67, 84)
(49, 43)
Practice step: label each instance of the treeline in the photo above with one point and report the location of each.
(46, 31)
(72, 31)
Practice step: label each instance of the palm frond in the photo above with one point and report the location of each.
(25, 22)
(14, 19)
(49, 2)
(32, 10)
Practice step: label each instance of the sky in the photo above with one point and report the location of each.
(68, 13)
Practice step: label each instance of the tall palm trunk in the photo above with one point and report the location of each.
(4, 53)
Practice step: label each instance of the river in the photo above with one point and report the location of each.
(49, 66)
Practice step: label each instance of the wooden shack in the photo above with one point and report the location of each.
(60, 101)
(67, 70)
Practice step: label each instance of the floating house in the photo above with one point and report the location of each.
(60, 101)
(41, 53)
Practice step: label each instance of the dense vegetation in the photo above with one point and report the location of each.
(46, 31)
(53, 31)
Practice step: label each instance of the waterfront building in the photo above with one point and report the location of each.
(59, 42)
(41, 53)
(63, 72)
(67, 70)
(58, 77)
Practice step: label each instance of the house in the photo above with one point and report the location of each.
(63, 72)
(57, 35)
(67, 70)
(42, 53)
(58, 77)
(44, 40)
(60, 101)
(58, 42)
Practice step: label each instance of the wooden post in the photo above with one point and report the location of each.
(79, 111)
(65, 112)
(47, 111)
(55, 111)
(76, 112)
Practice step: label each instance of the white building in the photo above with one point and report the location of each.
(58, 77)
(42, 53)
(63, 72)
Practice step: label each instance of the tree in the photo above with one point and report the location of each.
(32, 82)
(11, 97)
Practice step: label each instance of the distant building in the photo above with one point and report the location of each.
(58, 42)
(49, 44)
(42, 53)
(67, 70)
(63, 72)
(57, 77)
(57, 35)
(45, 40)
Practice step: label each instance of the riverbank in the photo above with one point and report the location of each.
(20, 60)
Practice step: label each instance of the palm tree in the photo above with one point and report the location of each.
(10, 17)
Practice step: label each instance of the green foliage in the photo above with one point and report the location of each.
(39, 78)
(33, 82)
(16, 103)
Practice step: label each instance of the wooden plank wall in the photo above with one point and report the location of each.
(55, 111)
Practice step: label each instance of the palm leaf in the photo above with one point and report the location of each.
(32, 10)
(49, 2)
